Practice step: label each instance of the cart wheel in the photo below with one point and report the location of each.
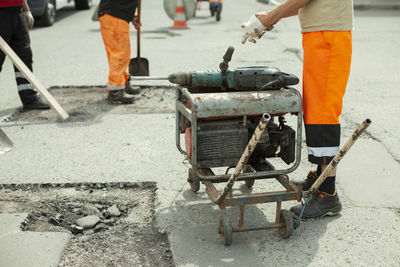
(194, 181)
(287, 230)
(225, 230)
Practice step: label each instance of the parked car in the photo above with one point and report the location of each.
(44, 11)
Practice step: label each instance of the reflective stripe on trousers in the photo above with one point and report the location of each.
(22, 82)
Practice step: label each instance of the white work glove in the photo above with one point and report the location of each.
(254, 30)
(29, 19)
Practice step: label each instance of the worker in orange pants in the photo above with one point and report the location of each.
(114, 17)
(216, 8)
(327, 43)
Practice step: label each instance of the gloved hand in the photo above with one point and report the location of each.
(29, 19)
(254, 30)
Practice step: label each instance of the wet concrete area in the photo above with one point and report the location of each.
(88, 104)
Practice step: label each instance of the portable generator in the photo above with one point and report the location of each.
(217, 112)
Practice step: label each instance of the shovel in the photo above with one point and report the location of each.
(5, 143)
(139, 66)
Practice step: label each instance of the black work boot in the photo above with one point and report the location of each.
(31, 100)
(309, 181)
(131, 90)
(321, 204)
(119, 97)
(218, 17)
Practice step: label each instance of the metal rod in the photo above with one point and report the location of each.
(338, 157)
(245, 156)
(241, 216)
(240, 178)
(149, 78)
(260, 198)
(256, 228)
(278, 211)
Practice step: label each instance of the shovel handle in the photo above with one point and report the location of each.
(139, 7)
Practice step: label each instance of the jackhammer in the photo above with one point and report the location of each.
(240, 79)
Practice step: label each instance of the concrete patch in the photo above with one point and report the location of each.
(10, 223)
(28, 248)
(33, 249)
(201, 246)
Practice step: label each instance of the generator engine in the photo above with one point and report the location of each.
(221, 142)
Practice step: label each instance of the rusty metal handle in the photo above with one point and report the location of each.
(338, 157)
(245, 156)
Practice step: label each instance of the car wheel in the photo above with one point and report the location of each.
(83, 4)
(49, 15)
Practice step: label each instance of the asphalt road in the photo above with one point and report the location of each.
(71, 53)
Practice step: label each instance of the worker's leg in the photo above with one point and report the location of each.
(18, 39)
(115, 33)
(5, 31)
(218, 11)
(212, 11)
(327, 58)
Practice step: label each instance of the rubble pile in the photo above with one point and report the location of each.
(80, 217)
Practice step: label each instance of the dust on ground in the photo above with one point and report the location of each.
(128, 239)
(88, 104)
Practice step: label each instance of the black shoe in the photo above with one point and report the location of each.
(312, 176)
(321, 204)
(130, 90)
(119, 97)
(218, 14)
(34, 102)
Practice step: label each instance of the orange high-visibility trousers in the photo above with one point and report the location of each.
(326, 69)
(115, 33)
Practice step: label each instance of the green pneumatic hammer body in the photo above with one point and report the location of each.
(240, 79)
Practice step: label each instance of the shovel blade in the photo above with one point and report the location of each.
(5, 143)
(139, 67)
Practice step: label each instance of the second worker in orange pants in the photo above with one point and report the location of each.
(114, 17)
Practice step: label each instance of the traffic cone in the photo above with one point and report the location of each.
(180, 17)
